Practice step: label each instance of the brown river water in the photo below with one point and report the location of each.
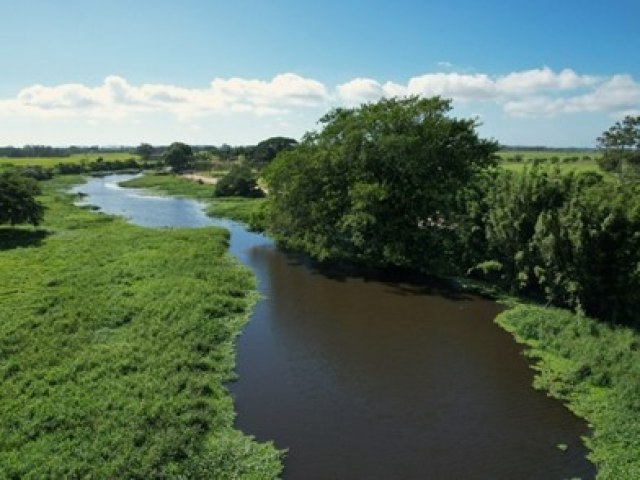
(377, 375)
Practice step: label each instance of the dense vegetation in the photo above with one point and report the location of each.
(115, 341)
(178, 157)
(240, 181)
(18, 202)
(570, 239)
(375, 184)
(593, 367)
(401, 183)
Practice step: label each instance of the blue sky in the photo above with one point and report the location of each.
(208, 72)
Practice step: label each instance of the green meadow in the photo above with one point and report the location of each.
(115, 345)
(50, 162)
(566, 161)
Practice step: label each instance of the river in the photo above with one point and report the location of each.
(375, 375)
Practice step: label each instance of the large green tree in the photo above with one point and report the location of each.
(17, 200)
(179, 157)
(621, 147)
(377, 183)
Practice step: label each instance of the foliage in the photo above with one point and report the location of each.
(377, 183)
(265, 151)
(239, 182)
(145, 151)
(572, 239)
(115, 343)
(621, 146)
(17, 200)
(178, 156)
(596, 369)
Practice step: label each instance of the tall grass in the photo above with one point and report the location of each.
(115, 343)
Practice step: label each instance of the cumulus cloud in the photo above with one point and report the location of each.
(535, 92)
(619, 94)
(540, 91)
(116, 97)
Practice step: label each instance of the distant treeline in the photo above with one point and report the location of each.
(261, 153)
(39, 172)
(42, 151)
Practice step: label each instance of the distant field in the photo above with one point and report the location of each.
(53, 161)
(577, 161)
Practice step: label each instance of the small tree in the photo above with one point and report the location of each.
(17, 200)
(239, 182)
(179, 157)
(145, 151)
(621, 145)
(267, 150)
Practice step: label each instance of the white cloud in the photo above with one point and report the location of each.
(455, 85)
(116, 98)
(535, 92)
(619, 94)
(540, 79)
(360, 90)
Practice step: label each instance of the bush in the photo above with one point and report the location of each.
(239, 182)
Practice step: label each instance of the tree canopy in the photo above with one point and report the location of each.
(145, 150)
(377, 183)
(239, 182)
(179, 157)
(265, 151)
(621, 145)
(17, 200)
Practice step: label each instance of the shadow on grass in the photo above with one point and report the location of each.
(21, 237)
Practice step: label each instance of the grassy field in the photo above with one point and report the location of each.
(595, 369)
(50, 162)
(172, 185)
(115, 343)
(585, 161)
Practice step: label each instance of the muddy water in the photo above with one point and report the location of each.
(378, 376)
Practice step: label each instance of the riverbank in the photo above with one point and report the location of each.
(589, 365)
(116, 342)
(594, 368)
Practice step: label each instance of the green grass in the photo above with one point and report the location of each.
(565, 160)
(50, 162)
(595, 369)
(115, 343)
(246, 210)
(172, 185)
